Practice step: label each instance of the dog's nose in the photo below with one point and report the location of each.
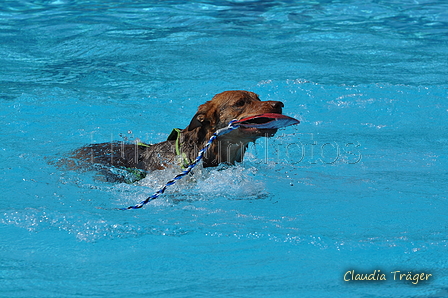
(277, 105)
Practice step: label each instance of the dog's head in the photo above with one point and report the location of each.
(229, 105)
(217, 113)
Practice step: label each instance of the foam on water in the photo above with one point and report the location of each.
(232, 183)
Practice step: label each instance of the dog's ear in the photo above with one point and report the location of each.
(196, 121)
(200, 118)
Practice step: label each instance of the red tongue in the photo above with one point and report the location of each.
(268, 120)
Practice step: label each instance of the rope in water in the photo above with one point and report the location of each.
(232, 125)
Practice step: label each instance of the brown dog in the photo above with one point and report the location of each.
(182, 146)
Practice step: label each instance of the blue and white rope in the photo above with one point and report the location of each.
(179, 176)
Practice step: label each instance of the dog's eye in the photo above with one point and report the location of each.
(240, 103)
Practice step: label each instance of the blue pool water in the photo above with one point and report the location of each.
(360, 184)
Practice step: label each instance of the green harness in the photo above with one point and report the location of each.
(131, 175)
(175, 136)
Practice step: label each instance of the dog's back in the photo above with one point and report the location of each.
(119, 154)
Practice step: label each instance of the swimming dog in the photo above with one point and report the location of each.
(182, 146)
